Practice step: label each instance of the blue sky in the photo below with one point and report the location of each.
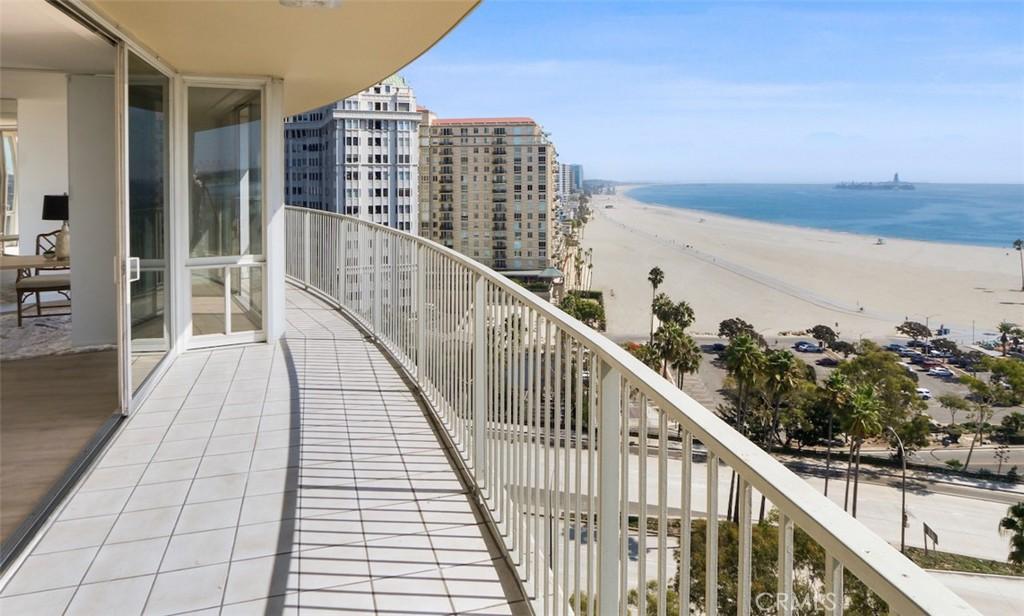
(748, 91)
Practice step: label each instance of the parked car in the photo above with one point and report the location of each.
(929, 363)
(917, 358)
(895, 347)
(924, 393)
(941, 372)
(915, 343)
(808, 347)
(828, 361)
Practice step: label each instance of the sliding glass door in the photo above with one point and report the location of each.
(148, 216)
(225, 214)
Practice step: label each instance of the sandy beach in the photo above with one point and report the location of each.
(783, 278)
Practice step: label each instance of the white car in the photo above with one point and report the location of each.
(924, 393)
(940, 372)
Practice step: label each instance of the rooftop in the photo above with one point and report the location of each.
(470, 121)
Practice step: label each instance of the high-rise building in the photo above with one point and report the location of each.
(358, 156)
(487, 189)
(570, 179)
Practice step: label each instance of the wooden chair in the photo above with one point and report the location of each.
(28, 284)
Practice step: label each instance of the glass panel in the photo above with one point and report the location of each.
(246, 299)
(225, 168)
(208, 301)
(148, 186)
(8, 175)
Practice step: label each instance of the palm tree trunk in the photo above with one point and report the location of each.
(849, 468)
(856, 480)
(974, 441)
(650, 339)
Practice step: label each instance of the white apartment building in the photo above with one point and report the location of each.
(570, 179)
(358, 156)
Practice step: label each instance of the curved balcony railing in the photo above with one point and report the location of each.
(532, 399)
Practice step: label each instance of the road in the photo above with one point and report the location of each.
(965, 517)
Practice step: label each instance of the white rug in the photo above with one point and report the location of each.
(37, 337)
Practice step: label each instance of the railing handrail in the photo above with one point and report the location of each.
(907, 588)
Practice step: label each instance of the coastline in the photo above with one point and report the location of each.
(787, 278)
(625, 189)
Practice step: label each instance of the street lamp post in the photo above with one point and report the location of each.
(903, 508)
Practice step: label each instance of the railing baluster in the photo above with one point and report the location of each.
(662, 512)
(641, 562)
(578, 487)
(785, 591)
(624, 503)
(834, 592)
(685, 524)
(743, 583)
(480, 380)
(566, 447)
(609, 416)
(711, 533)
(592, 471)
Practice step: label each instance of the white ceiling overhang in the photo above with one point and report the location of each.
(323, 53)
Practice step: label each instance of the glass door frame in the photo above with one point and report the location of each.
(182, 212)
(132, 397)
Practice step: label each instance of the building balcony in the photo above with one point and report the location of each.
(429, 436)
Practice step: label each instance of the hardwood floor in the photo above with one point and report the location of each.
(49, 409)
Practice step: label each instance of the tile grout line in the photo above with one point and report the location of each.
(100, 546)
(177, 519)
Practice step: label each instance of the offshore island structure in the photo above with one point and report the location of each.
(895, 184)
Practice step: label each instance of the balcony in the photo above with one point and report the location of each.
(429, 435)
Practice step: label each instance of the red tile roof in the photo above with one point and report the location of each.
(441, 122)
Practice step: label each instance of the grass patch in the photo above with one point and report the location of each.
(944, 561)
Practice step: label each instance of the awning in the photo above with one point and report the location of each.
(324, 53)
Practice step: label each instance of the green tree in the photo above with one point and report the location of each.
(862, 423)
(945, 345)
(589, 311)
(896, 390)
(915, 330)
(954, 404)
(656, 276)
(1018, 245)
(687, 361)
(743, 359)
(661, 308)
(1013, 524)
(824, 334)
(844, 347)
(645, 353)
(730, 328)
(1006, 330)
(668, 342)
(781, 374)
(1013, 423)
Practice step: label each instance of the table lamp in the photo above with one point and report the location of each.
(55, 207)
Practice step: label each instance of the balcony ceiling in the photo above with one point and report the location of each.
(323, 54)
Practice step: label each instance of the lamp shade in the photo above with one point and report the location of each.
(55, 207)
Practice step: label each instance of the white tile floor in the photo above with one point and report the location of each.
(295, 478)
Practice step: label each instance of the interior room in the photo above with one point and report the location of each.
(59, 370)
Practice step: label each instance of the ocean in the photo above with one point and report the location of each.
(979, 214)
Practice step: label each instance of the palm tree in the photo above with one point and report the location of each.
(687, 361)
(781, 375)
(837, 391)
(656, 276)
(1005, 329)
(667, 343)
(743, 360)
(1018, 245)
(863, 423)
(1013, 523)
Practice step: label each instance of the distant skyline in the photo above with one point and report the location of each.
(747, 92)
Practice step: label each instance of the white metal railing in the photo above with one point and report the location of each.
(533, 399)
